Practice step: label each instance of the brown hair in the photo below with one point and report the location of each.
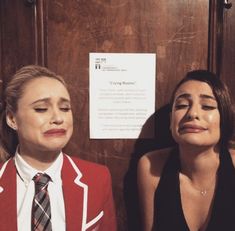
(12, 93)
(223, 98)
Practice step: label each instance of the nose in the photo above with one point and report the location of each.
(56, 117)
(193, 112)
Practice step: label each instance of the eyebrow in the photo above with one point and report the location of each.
(188, 96)
(47, 100)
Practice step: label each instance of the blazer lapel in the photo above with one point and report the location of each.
(75, 196)
(8, 218)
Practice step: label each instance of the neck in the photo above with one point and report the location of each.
(199, 163)
(40, 161)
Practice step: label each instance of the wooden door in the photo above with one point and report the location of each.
(176, 30)
(61, 33)
(222, 39)
(228, 47)
(228, 52)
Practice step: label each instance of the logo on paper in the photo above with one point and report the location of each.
(99, 62)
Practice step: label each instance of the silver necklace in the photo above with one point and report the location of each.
(203, 192)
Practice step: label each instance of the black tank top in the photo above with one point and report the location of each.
(168, 215)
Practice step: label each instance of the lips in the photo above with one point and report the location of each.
(191, 128)
(55, 132)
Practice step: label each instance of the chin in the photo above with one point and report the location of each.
(196, 143)
(56, 147)
(53, 147)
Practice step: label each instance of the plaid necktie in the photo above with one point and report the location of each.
(41, 209)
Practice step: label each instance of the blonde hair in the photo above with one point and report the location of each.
(13, 92)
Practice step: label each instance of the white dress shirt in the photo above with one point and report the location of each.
(25, 193)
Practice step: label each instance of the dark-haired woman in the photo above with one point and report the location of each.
(192, 187)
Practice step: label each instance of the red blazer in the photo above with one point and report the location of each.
(87, 196)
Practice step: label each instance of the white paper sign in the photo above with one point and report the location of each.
(122, 94)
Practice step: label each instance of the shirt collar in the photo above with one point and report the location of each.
(27, 172)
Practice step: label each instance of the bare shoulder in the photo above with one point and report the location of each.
(155, 160)
(232, 153)
(151, 164)
(148, 176)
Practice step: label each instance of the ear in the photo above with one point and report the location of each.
(11, 121)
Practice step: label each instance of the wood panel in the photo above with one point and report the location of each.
(17, 36)
(228, 49)
(176, 30)
(60, 34)
(222, 40)
(228, 52)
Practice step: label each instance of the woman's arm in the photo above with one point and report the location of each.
(148, 176)
(146, 192)
(232, 153)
